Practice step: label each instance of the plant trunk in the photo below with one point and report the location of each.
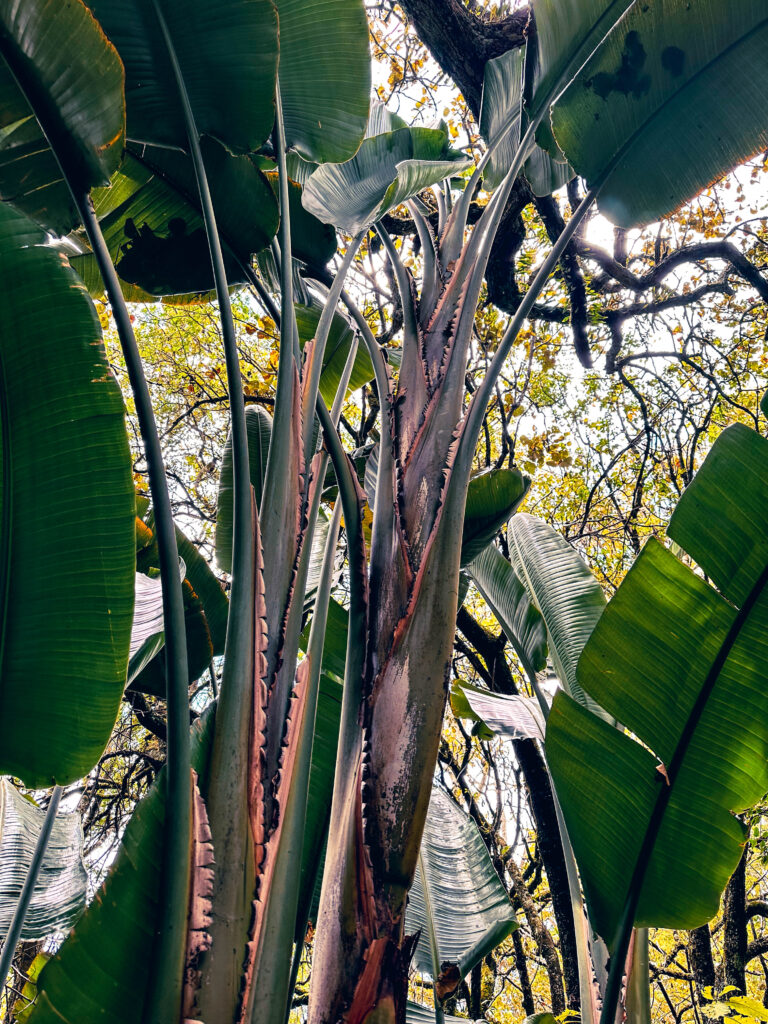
(700, 959)
(361, 958)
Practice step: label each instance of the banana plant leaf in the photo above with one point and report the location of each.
(649, 89)
(147, 631)
(516, 717)
(386, 170)
(564, 590)
(93, 975)
(59, 895)
(457, 900)
(56, 51)
(200, 582)
(502, 102)
(151, 221)
(513, 606)
(567, 32)
(228, 55)
(492, 497)
(415, 1013)
(67, 502)
(682, 666)
(151, 678)
(325, 77)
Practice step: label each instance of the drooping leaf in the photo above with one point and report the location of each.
(93, 975)
(66, 501)
(227, 52)
(61, 76)
(492, 497)
(258, 424)
(502, 104)
(415, 1013)
(683, 668)
(565, 591)
(340, 338)
(201, 579)
(151, 221)
(387, 169)
(461, 708)
(59, 894)
(147, 631)
(513, 607)
(457, 900)
(649, 88)
(516, 717)
(325, 77)
(151, 678)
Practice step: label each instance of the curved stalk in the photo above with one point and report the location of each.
(410, 322)
(169, 955)
(383, 511)
(27, 891)
(230, 738)
(271, 504)
(349, 734)
(429, 280)
(321, 337)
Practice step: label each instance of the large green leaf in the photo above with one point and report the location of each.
(565, 591)
(340, 338)
(57, 67)
(325, 76)
(682, 666)
(150, 218)
(567, 31)
(387, 169)
(683, 80)
(67, 545)
(227, 52)
(59, 895)
(513, 607)
(93, 976)
(258, 424)
(457, 900)
(492, 497)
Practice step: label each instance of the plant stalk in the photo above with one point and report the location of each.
(230, 737)
(165, 981)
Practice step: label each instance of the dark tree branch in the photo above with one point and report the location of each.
(462, 43)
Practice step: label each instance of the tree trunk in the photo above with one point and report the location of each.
(541, 803)
(735, 928)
